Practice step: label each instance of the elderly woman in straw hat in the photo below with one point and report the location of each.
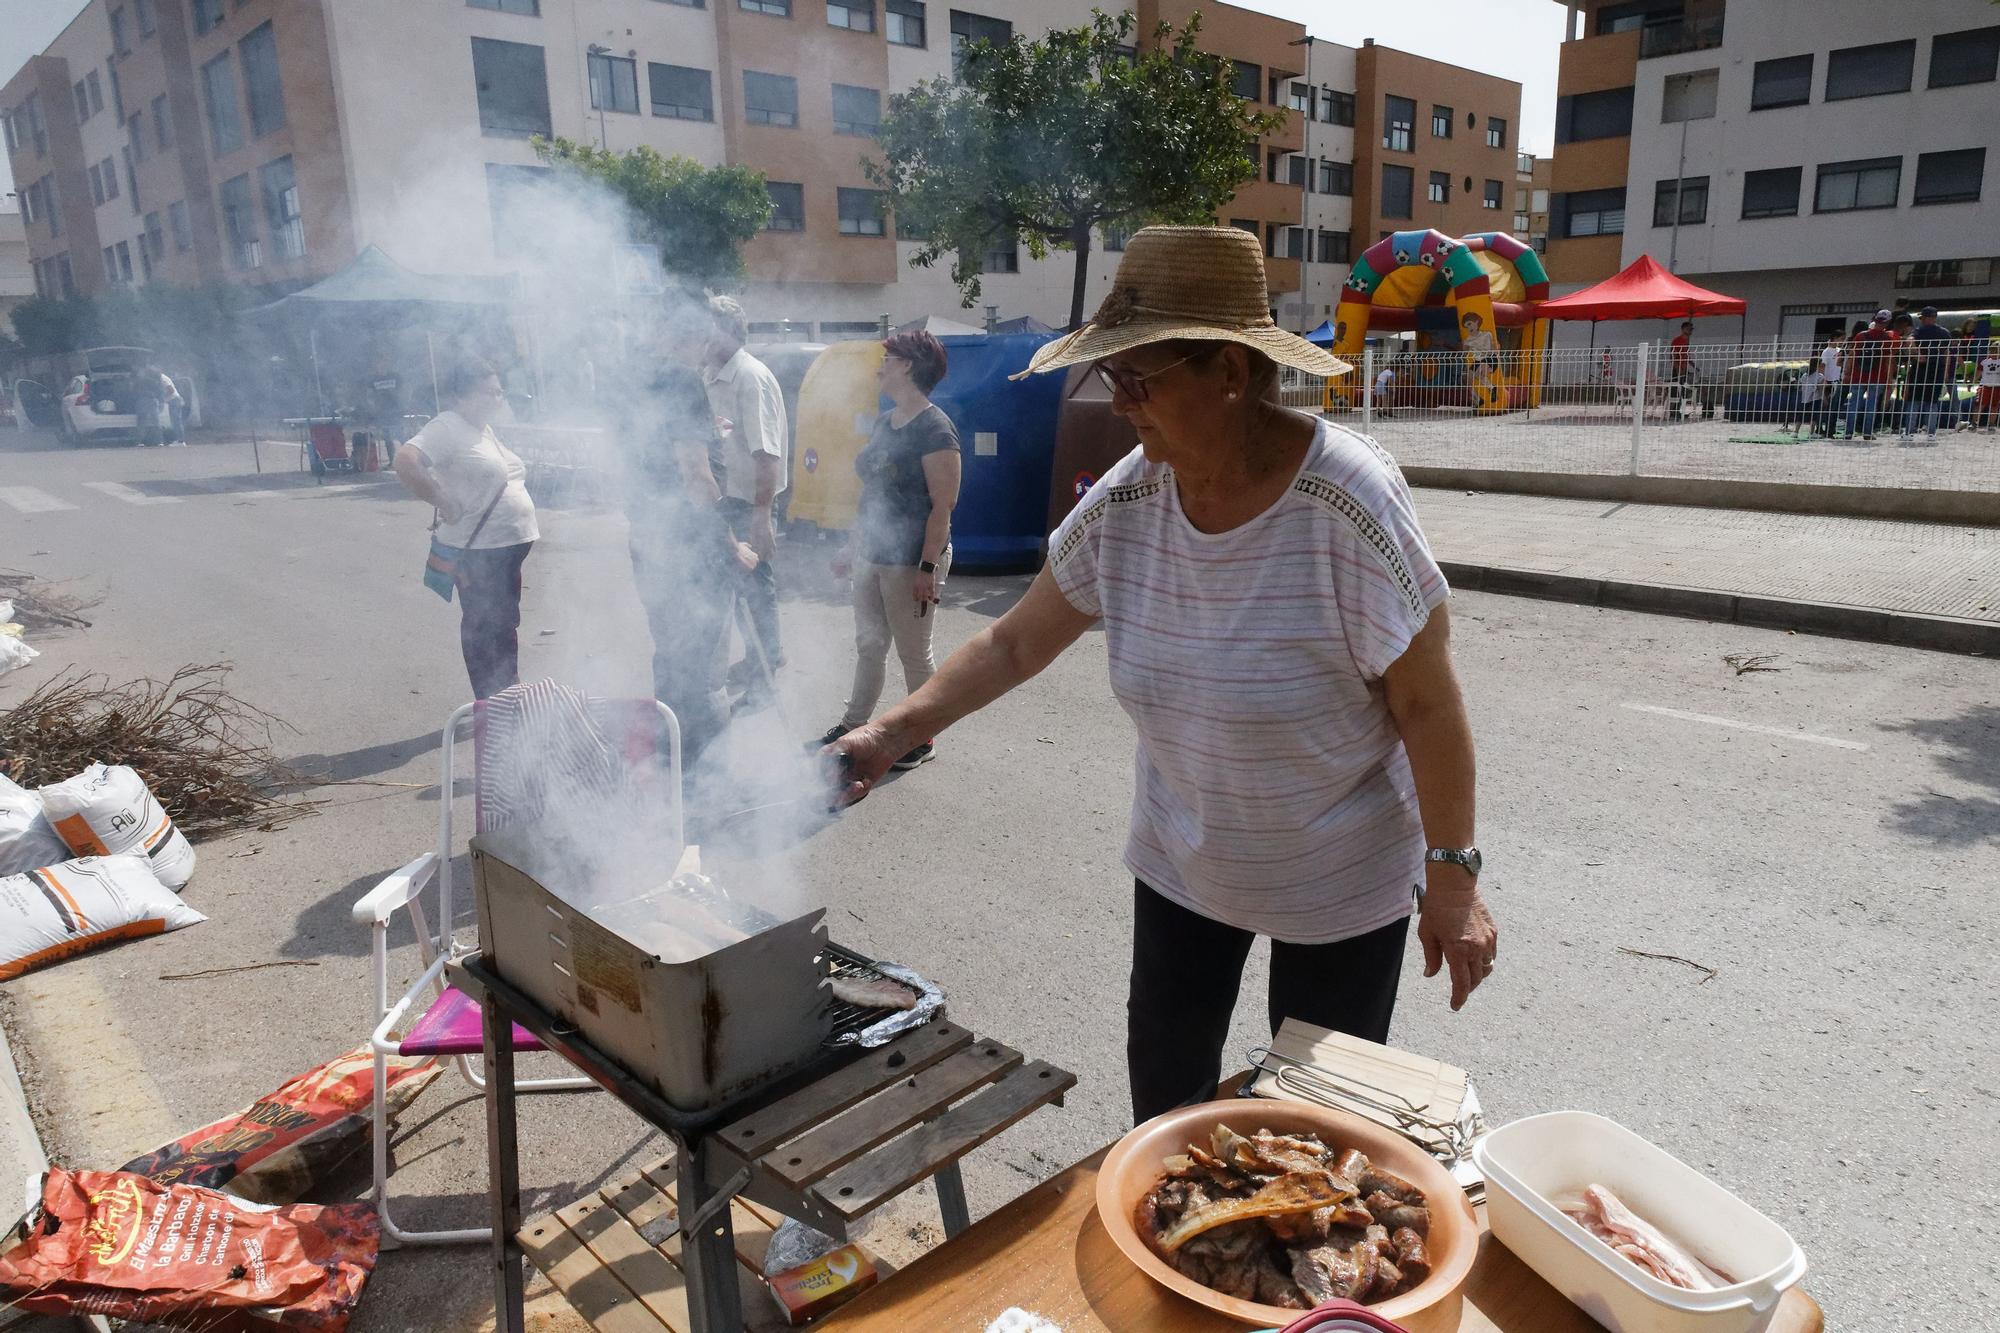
(1277, 630)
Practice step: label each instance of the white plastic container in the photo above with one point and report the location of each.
(1530, 1162)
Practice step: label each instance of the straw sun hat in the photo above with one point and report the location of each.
(1186, 282)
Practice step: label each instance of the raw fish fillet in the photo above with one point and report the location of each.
(867, 994)
(1605, 1216)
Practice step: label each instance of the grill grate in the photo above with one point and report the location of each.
(849, 1018)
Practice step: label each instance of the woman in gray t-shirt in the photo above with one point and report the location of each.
(901, 547)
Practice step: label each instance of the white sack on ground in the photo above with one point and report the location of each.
(27, 841)
(107, 810)
(59, 910)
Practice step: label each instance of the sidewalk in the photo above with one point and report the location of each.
(1924, 585)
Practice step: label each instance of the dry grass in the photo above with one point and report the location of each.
(205, 753)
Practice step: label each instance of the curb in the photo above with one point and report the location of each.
(1905, 629)
(20, 1154)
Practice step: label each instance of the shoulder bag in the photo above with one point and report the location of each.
(441, 566)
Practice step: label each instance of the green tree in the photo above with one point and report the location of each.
(698, 216)
(1039, 142)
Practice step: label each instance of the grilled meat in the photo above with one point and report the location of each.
(1396, 1215)
(1411, 1255)
(1297, 1193)
(873, 993)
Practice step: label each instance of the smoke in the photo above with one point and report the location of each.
(607, 345)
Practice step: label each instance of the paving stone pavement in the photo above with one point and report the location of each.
(1929, 569)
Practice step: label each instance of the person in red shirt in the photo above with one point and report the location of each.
(1871, 359)
(1683, 354)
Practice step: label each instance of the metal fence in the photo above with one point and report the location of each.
(1750, 411)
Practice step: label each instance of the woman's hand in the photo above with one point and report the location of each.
(1457, 931)
(763, 534)
(746, 555)
(861, 758)
(924, 586)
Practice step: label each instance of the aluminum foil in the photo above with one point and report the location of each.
(930, 1002)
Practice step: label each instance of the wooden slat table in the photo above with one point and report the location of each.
(1046, 1252)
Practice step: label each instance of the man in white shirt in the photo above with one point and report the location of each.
(750, 411)
(1385, 387)
(1834, 394)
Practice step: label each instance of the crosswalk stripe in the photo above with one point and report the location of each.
(28, 500)
(118, 490)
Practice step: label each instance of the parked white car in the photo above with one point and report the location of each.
(98, 406)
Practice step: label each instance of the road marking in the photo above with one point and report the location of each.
(1835, 741)
(28, 500)
(118, 490)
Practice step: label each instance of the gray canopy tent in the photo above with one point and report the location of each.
(376, 282)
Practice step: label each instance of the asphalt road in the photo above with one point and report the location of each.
(1830, 857)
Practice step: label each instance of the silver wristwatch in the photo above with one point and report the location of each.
(1468, 857)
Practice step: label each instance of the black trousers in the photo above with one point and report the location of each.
(1186, 970)
(686, 592)
(760, 590)
(489, 599)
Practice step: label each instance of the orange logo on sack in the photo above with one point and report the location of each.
(114, 1229)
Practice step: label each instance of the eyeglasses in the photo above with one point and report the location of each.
(1134, 386)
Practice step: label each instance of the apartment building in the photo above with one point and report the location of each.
(268, 143)
(1820, 160)
(17, 281)
(1531, 199)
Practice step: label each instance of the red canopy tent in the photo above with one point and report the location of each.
(1643, 290)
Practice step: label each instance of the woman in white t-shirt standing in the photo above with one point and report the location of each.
(479, 488)
(1276, 629)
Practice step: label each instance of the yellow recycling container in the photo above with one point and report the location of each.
(838, 404)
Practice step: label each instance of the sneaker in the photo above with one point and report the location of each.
(1866, 439)
(923, 754)
(833, 733)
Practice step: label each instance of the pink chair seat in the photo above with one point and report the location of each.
(452, 1026)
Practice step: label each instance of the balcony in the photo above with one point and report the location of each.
(1698, 28)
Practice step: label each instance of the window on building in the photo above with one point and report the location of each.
(1945, 273)
(1870, 71)
(854, 15)
(9, 132)
(1246, 224)
(788, 206)
(770, 99)
(218, 91)
(1783, 82)
(1520, 222)
(856, 110)
(512, 82)
(1952, 177)
(776, 8)
(1440, 188)
(861, 212)
(177, 223)
(156, 238)
(1398, 188)
(96, 185)
(1496, 132)
(1272, 230)
(82, 97)
(117, 94)
(1399, 123)
(1590, 213)
(1772, 193)
(94, 88)
(1249, 80)
(262, 84)
(1336, 177)
(1491, 196)
(282, 216)
(1524, 164)
(207, 14)
(905, 22)
(135, 136)
(1599, 115)
(1335, 247)
(118, 40)
(966, 29)
(109, 170)
(1844, 187)
(531, 8)
(614, 83)
(239, 224)
(680, 92)
(38, 126)
(1297, 170)
(1689, 96)
(1299, 97)
(131, 181)
(147, 16)
(1295, 244)
(689, 4)
(1965, 57)
(1336, 108)
(124, 249)
(163, 124)
(1441, 117)
(1003, 256)
(1691, 192)
(110, 265)
(514, 205)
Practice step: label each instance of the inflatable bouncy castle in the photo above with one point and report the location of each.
(1467, 299)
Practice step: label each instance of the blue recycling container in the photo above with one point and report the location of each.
(1007, 438)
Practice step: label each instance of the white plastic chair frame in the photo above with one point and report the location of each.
(404, 889)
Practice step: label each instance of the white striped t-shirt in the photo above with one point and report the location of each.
(1272, 791)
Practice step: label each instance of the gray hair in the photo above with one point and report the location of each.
(729, 317)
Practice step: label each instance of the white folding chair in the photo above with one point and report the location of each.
(449, 1025)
